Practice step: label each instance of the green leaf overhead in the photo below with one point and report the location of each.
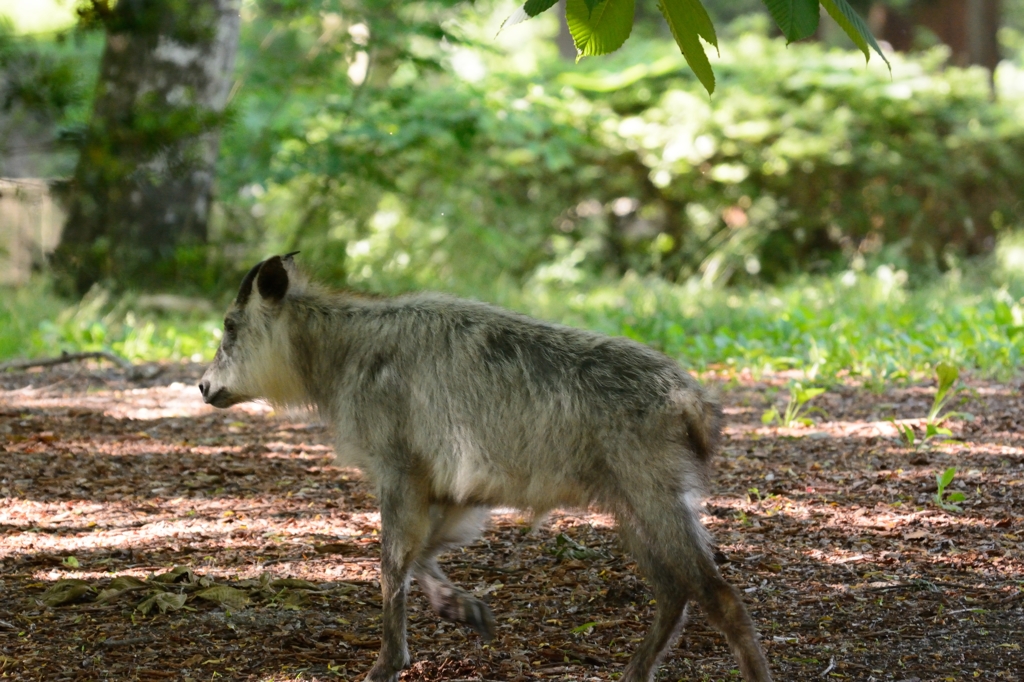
(529, 10)
(797, 19)
(535, 7)
(601, 31)
(602, 26)
(854, 25)
(689, 22)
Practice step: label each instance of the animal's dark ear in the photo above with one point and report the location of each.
(288, 260)
(246, 289)
(272, 282)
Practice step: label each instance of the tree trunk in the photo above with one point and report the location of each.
(889, 25)
(142, 188)
(563, 39)
(968, 27)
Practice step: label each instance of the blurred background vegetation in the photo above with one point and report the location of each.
(816, 213)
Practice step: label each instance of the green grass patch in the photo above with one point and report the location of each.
(871, 325)
(35, 323)
(23, 313)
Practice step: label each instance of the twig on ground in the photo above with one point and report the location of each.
(65, 358)
(133, 372)
(131, 641)
(1008, 599)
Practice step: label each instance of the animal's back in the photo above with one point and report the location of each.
(505, 409)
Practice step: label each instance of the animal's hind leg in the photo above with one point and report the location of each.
(673, 551)
(452, 526)
(671, 597)
(721, 602)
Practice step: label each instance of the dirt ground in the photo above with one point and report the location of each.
(849, 567)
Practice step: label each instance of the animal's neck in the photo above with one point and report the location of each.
(320, 346)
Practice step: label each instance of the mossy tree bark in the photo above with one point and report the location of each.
(141, 192)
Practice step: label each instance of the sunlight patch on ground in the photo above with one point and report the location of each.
(143, 404)
(838, 556)
(220, 522)
(997, 449)
(883, 518)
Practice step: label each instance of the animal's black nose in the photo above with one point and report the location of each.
(204, 388)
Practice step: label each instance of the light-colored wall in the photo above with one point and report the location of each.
(30, 224)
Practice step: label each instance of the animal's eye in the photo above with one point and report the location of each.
(229, 327)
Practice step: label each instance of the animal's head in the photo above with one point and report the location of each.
(255, 357)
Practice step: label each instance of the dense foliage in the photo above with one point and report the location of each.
(805, 159)
(401, 146)
(599, 27)
(45, 88)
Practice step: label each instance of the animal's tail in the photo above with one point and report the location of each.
(703, 417)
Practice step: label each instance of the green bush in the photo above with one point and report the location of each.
(22, 312)
(45, 96)
(34, 322)
(805, 159)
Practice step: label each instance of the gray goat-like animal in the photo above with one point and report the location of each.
(453, 407)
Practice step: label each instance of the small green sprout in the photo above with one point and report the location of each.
(910, 437)
(946, 374)
(798, 397)
(943, 499)
(908, 433)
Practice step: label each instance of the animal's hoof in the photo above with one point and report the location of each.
(479, 617)
(460, 607)
(387, 668)
(381, 673)
(631, 675)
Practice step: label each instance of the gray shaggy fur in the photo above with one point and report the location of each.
(453, 407)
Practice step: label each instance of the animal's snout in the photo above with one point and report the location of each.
(218, 396)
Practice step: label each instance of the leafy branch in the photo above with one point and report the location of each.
(602, 26)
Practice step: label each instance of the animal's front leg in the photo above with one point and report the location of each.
(453, 526)
(405, 522)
